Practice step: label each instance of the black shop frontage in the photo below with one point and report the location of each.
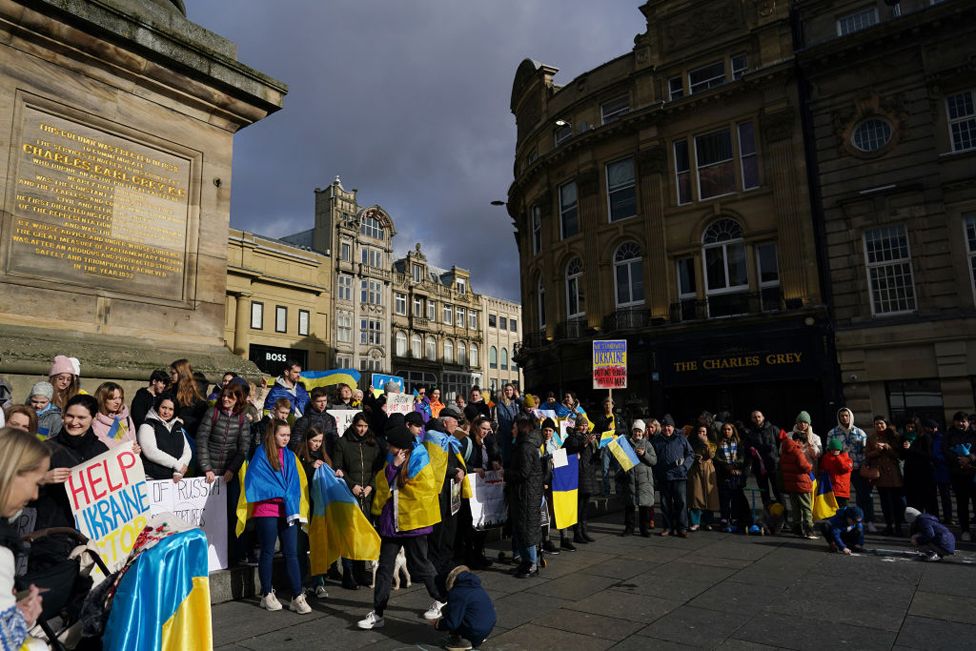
(780, 370)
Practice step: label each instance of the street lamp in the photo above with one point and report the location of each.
(563, 123)
(498, 202)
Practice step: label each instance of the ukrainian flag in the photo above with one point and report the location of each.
(119, 429)
(565, 492)
(607, 438)
(439, 446)
(312, 379)
(338, 526)
(163, 600)
(417, 499)
(824, 503)
(259, 482)
(623, 452)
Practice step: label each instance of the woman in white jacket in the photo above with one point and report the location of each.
(165, 451)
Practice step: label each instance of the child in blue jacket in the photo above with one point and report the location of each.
(844, 532)
(469, 615)
(929, 535)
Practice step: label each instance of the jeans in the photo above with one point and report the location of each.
(268, 530)
(674, 504)
(529, 554)
(892, 506)
(863, 495)
(605, 456)
(421, 569)
(965, 492)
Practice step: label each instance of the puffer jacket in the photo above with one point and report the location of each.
(885, 460)
(795, 467)
(223, 441)
(359, 458)
(165, 449)
(671, 450)
(639, 480)
(525, 481)
(838, 467)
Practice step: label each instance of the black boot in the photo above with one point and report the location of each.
(578, 535)
(585, 530)
(550, 548)
(565, 544)
(628, 531)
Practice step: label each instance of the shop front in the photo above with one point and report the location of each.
(271, 359)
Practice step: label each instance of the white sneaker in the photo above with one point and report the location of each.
(434, 612)
(372, 620)
(299, 605)
(270, 602)
(321, 592)
(965, 536)
(932, 557)
(872, 528)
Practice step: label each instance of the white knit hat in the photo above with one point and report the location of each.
(638, 424)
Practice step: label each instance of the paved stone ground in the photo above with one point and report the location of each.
(711, 590)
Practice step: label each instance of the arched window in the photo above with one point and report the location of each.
(416, 346)
(401, 343)
(724, 258)
(431, 349)
(448, 351)
(575, 300)
(628, 272)
(462, 351)
(492, 357)
(504, 359)
(541, 295)
(475, 360)
(371, 227)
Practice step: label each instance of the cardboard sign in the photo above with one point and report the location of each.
(399, 403)
(109, 499)
(610, 364)
(379, 381)
(559, 458)
(488, 507)
(199, 504)
(343, 418)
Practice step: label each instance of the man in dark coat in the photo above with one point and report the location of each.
(315, 416)
(763, 437)
(525, 483)
(674, 459)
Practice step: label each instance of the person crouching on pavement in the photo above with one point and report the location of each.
(637, 484)
(844, 531)
(930, 536)
(469, 615)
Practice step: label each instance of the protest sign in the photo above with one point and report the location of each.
(610, 364)
(379, 381)
(343, 418)
(399, 403)
(487, 502)
(108, 497)
(199, 504)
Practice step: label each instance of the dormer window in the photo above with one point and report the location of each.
(461, 286)
(371, 227)
(416, 272)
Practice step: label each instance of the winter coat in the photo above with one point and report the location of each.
(940, 463)
(854, 438)
(308, 465)
(639, 481)
(103, 424)
(482, 456)
(142, 402)
(604, 423)
(932, 532)
(165, 449)
(49, 422)
(765, 440)
(885, 460)
(296, 395)
(590, 462)
(838, 468)
(320, 420)
(359, 458)
(674, 457)
(469, 611)
(813, 447)
(482, 407)
(732, 471)
(505, 417)
(919, 468)
(954, 437)
(524, 479)
(191, 414)
(53, 508)
(702, 477)
(223, 441)
(795, 467)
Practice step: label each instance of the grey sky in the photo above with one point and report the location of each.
(406, 100)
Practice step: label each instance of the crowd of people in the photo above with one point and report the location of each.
(685, 479)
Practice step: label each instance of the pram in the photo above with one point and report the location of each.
(67, 584)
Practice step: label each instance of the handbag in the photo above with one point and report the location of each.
(870, 473)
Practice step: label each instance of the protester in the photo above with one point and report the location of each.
(41, 399)
(24, 463)
(940, 469)
(65, 377)
(289, 385)
(525, 483)
(442, 537)
(434, 400)
(343, 397)
(217, 388)
(190, 403)
(605, 422)
(315, 417)
(112, 425)
(674, 458)
(883, 452)
(281, 411)
(638, 483)
(406, 528)
(919, 471)
(549, 445)
(507, 409)
(358, 457)
(795, 466)
(22, 418)
(483, 457)
(803, 432)
(844, 531)
(703, 498)
(930, 536)
(273, 485)
(838, 466)
(960, 453)
(763, 437)
(420, 404)
(585, 443)
(731, 467)
(476, 399)
(165, 451)
(143, 401)
(469, 615)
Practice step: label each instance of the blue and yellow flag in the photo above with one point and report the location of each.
(565, 492)
(439, 446)
(607, 437)
(260, 482)
(163, 600)
(119, 429)
(623, 452)
(348, 376)
(824, 503)
(338, 526)
(417, 503)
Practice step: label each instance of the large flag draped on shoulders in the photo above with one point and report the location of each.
(439, 446)
(824, 503)
(162, 602)
(623, 452)
(565, 492)
(338, 526)
(417, 499)
(259, 482)
(347, 376)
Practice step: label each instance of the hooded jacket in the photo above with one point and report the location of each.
(49, 421)
(854, 438)
(839, 468)
(795, 467)
(296, 395)
(932, 532)
(103, 424)
(165, 449)
(469, 611)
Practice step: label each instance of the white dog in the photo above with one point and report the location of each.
(399, 567)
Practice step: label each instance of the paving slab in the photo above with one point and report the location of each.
(530, 637)
(573, 587)
(953, 608)
(796, 632)
(522, 607)
(695, 626)
(610, 628)
(616, 603)
(935, 634)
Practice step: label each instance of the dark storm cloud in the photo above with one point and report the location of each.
(408, 101)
